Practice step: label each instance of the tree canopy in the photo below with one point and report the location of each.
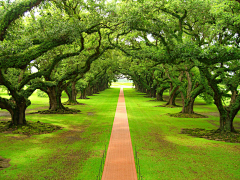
(190, 48)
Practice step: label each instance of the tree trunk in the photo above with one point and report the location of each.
(83, 94)
(18, 114)
(160, 95)
(227, 114)
(148, 92)
(95, 89)
(226, 122)
(153, 92)
(72, 94)
(188, 106)
(136, 86)
(171, 88)
(92, 91)
(55, 102)
(89, 91)
(16, 109)
(172, 97)
(143, 90)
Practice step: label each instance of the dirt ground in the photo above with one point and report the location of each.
(4, 163)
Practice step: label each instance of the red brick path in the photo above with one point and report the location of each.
(119, 164)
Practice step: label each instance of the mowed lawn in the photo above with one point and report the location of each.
(74, 152)
(164, 153)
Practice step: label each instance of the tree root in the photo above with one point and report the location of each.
(60, 111)
(71, 103)
(31, 128)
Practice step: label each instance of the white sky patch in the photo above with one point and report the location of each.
(33, 69)
(139, 38)
(150, 38)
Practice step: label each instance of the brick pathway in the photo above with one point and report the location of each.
(119, 164)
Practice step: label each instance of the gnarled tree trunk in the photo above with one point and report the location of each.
(55, 102)
(172, 97)
(227, 113)
(72, 94)
(160, 94)
(152, 92)
(17, 109)
(226, 121)
(188, 106)
(18, 114)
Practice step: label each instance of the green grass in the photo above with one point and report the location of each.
(74, 152)
(164, 153)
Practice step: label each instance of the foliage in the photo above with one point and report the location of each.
(162, 44)
(41, 93)
(206, 97)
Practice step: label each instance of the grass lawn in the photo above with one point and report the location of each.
(164, 153)
(74, 152)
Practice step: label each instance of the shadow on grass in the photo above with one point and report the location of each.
(169, 106)
(233, 137)
(4, 163)
(66, 110)
(184, 115)
(31, 128)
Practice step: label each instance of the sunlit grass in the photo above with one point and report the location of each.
(75, 151)
(164, 153)
(71, 153)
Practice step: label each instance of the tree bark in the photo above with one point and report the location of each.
(55, 101)
(143, 90)
(171, 88)
(226, 122)
(16, 109)
(189, 94)
(153, 92)
(136, 86)
(227, 113)
(72, 94)
(89, 91)
(172, 97)
(160, 94)
(95, 89)
(18, 114)
(188, 106)
(83, 94)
